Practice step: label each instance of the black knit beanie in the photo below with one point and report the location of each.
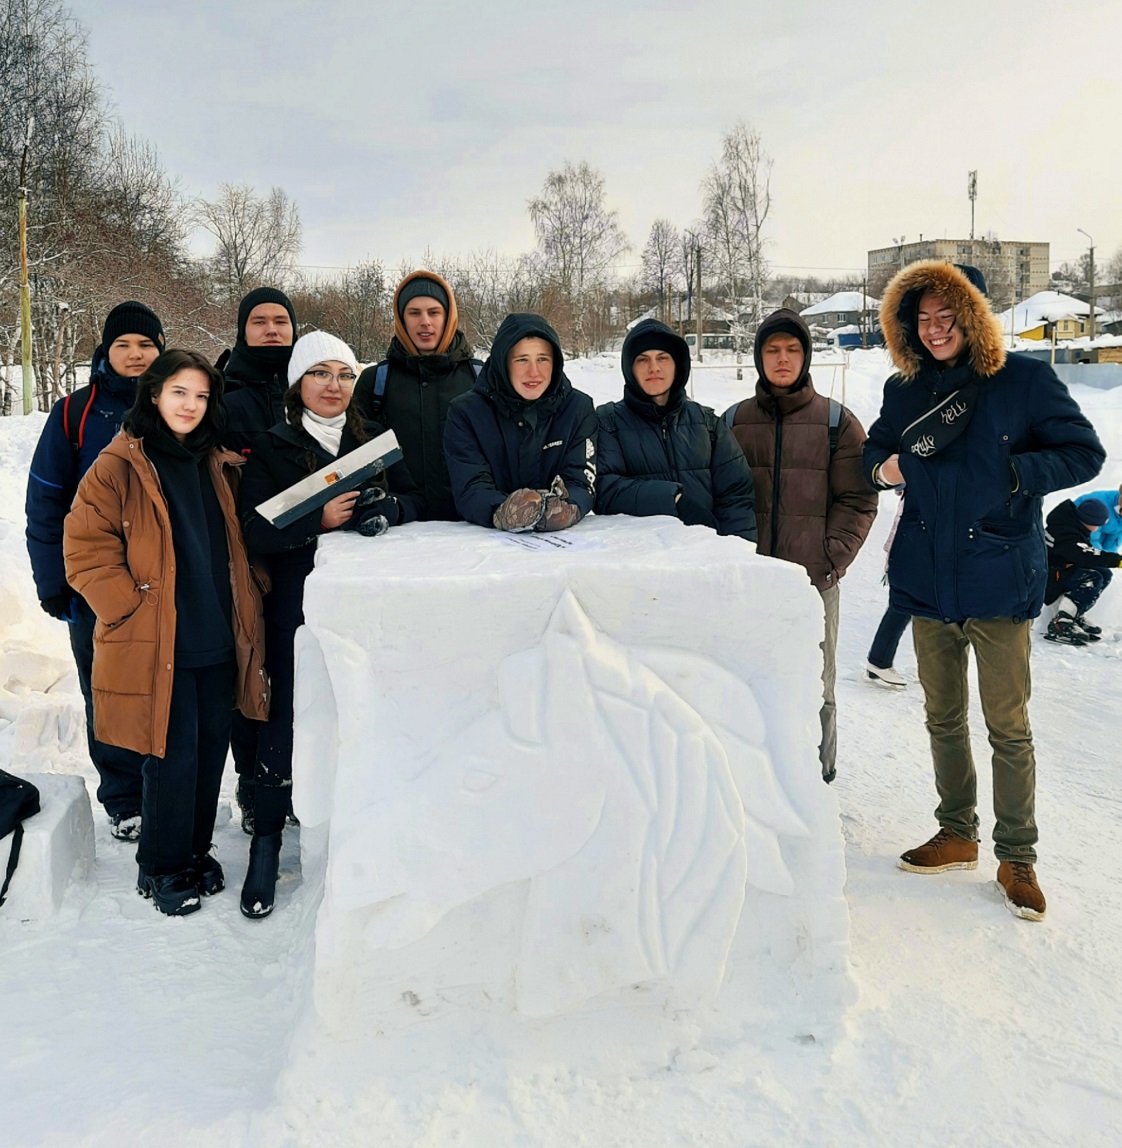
(132, 318)
(264, 295)
(421, 288)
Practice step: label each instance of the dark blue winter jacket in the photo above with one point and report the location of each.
(57, 467)
(496, 442)
(970, 542)
(649, 454)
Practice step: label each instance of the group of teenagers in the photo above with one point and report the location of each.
(183, 600)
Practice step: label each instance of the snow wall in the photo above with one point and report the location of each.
(564, 797)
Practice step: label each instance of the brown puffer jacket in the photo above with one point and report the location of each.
(120, 557)
(810, 508)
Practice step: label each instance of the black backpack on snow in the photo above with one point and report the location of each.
(19, 800)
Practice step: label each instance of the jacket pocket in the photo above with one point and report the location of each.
(911, 567)
(994, 569)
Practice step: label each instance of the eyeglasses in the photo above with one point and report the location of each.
(321, 378)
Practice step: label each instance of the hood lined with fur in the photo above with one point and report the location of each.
(984, 339)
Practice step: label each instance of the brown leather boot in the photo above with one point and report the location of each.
(1016, 881)
(946, 850)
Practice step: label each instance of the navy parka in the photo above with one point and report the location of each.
(57, 468)
(496, 442)
(648, 454)
(970, 542)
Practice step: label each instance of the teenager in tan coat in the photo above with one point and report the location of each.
(153, 544)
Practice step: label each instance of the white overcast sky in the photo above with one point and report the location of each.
(399, 126)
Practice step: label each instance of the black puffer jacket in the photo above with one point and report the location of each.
(280, 458)
(496, 442)
(256, 380)
(419, 390)
(649, 454)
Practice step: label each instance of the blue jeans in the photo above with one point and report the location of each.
(118, 770)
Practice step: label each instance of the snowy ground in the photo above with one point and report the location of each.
(118, 1026)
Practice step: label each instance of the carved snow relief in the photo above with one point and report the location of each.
(631, 786)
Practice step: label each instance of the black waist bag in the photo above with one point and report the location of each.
(19, 800)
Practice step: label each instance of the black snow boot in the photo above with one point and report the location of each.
(209, 874)
(259, 890)
(175, 894)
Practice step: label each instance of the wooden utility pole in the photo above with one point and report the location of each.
(697, 251)
(24, 286)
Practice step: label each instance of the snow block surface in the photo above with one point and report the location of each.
(57, 849)
(560, 773)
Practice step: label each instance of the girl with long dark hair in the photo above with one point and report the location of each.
(153, 544)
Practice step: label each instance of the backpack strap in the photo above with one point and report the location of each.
(20, 800)
(476, 366)
(74, 414)
(835, 423)
(730, 415)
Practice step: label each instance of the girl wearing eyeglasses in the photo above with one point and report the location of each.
(320, 425)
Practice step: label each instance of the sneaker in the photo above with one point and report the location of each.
(1016, 882)
(1062, 629)
(1090, 632)
(175, 894)
(945, 851)
(888, 678)
(208, 874)
(125, 826)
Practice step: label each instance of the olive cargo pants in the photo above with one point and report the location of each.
(1001, 654)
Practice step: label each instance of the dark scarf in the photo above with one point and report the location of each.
(203, 597)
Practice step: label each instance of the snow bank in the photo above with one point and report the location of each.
(569, 787)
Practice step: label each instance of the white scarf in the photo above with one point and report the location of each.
(327, 432)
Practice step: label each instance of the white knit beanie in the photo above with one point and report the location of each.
(318, 347)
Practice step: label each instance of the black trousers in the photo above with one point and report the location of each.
(118, 770)
(181, 788)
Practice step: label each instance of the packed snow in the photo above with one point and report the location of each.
(389, 1024)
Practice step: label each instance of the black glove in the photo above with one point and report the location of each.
(59, 605)
(374, 503)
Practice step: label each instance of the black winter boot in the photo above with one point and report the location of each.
(259, 890)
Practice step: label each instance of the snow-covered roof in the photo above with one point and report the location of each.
(1044, 307)
(842, 301)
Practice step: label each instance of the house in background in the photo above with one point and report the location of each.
(843, 309)
(1048, 312)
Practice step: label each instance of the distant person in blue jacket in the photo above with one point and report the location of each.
(979, 436)
(660, 452)
(77, 429)
(1109, 535)
(521, 445)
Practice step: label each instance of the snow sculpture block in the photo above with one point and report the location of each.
(57, 849)
(555, 774)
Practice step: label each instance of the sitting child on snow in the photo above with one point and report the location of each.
(1077, 571)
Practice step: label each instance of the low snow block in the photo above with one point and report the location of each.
(561, 774)
(57, 849)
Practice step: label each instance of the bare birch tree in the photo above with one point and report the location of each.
(257, 237)
(662, 260)
(737, 199)
(578, 237)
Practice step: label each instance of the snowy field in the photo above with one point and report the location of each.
(121, 1027)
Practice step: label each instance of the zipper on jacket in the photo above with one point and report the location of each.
(776, 467)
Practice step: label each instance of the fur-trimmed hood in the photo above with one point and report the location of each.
(898, 317)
